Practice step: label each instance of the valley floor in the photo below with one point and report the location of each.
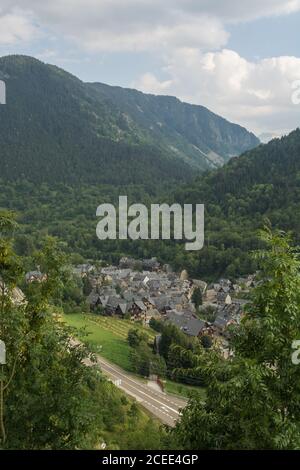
(108, 338)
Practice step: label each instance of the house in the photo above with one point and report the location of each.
(228, 314)
(94, 300)
(141, 294)
(84, 270)
(111, 305)
(18, 296)
(162, 303)
(188, 324)
(184, 275)
(152, 313)
(126, 262)
(138, 310)
(225, 282)
(128, 296)
(250, 283)
(123, 308)
(236, 288)
(223, 298)
(153, 285)
(149, 302)
(221, 322)
(151, 264)
(35, 276)
(167, 268)
(223, 289)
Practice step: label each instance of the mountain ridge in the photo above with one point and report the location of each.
(165, 101)
(55, 127)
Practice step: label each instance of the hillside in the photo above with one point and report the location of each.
(259, 181)
(262, 186)
(198, 136)
(55, 128)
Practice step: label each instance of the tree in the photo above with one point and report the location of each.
(185, 365)
(170, 335)
(206, 341)
(197, 297)
(155, 324)
(48, 400)
(141, 358)
(253, 399)
(158, 365)
(135, 337)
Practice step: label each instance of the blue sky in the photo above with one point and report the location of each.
(240, 59)
(267, 37)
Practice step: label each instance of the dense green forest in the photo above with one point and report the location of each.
(251, 401)
(65, 148)
(261, 184)
(64, 151)
(55, 128)
(201, 138)
(54, 401)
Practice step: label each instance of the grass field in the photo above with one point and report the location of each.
(110, 343)
(119, 327)
(183, 390)
(108, 336)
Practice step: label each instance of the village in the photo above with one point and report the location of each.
(142, 290)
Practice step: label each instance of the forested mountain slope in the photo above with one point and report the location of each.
(262, 186)
(55, 128)
(192, 132)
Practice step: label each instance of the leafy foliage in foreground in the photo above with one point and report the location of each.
(253, 399)
(51, 400)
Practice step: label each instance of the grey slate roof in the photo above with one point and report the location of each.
(140, 304)
(187, 323)
(125, 307)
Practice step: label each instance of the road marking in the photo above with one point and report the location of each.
(162, 404)
(136, 383)
(116, 373)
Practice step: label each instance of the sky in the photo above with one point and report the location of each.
(240, 59)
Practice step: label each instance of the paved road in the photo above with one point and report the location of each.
(163, 406)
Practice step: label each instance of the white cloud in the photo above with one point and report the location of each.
(237, 10)
(190, 36)
(203, 33)
(255, 94)
(15, 27)
(118, 25)
(150, 83)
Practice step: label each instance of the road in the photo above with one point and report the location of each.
(163, 406)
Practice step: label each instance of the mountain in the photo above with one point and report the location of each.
(261, 186)
(55, 128)
(198, 136)
(271, 170)
(263, 183)
(266, 137)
